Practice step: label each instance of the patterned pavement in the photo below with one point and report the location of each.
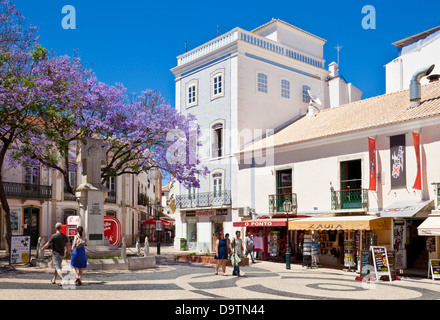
(175, 280)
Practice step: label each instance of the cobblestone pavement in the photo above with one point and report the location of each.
(173, 280)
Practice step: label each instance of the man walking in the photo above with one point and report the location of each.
(237, 248)
(249, 246)
(58, 241)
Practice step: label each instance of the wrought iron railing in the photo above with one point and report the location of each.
(111, 197)
(350, 199)
(143, 199)
(276, 202)
(27, 190)
(204, 199)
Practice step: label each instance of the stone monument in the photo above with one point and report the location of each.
(91, 193)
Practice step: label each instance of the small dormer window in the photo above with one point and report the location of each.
(262, 82)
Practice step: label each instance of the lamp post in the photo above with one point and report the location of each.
(158, 210)
(287, 205)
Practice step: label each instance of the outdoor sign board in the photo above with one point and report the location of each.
(434, 267)
(380, 260)
(20, 250)
(364, 263)
(158, 225)
(112, 230)
(392, 263)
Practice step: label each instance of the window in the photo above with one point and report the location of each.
(305, 94)
(111, 185)
(217, 140)
(191, 93)
(32, 175)
(191, 230)
(217, 84)
(217, 184)
(285, 89)
(262, 82)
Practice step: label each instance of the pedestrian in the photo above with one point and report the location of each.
(58, 241)
(237, 248)
(79, 258)
(221, 253)
(249, 242)
(228, 244)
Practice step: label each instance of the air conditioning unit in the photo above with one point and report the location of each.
(244, 212)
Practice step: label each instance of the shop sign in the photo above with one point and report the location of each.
(264, 224)
(325, 227)
(205, 213)
(70, 230)
(190, 214)
(73, 220)
(112, 230)
(20, 251)
(221, 212)
(434, 267)
(364, 263)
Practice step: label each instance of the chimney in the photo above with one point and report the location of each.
(415, 89)
(334, 69)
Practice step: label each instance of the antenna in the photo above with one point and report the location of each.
(185, 47)
(338, 48)
(217, 31)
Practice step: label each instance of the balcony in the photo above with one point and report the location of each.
(27, 191)
(350, 200)
(276, 203)
(239, 34)
(111, 197)
(143, 200)
(204, 199)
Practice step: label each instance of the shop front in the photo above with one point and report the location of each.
(411, 247)
(269, 237)
(338, 240)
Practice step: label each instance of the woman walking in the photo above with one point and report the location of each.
(79, 258)
(221, 254)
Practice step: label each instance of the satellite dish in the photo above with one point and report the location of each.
(314, 98)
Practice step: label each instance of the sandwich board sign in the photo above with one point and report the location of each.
(381, 264)
(20, 251)
(434, 268)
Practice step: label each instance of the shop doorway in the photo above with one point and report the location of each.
(417, 255)
(31, 225)
(217, 228)
(351, 184)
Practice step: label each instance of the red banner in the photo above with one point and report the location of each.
(372, 163)
(418, 182)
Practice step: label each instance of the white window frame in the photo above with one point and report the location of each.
(305, 98)
(217, 90)
(191, 96)
(262, 82)
(222, 137)
(285, 88)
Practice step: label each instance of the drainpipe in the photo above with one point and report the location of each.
(415, 89)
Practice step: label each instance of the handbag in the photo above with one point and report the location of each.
(80, 242)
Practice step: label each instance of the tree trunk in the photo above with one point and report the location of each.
(3, 200)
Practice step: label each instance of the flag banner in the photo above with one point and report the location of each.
(373, 163)
(418, 182)
(398, 161)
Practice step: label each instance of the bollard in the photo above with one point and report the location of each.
(146, 247)
(124, 249)
(138, 246)
(38, 251)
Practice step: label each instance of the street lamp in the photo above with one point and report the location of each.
(287, 205)
(158, 222)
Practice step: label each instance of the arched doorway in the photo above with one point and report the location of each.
(31, 224)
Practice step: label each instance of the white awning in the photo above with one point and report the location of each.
(406, 209)
(430, 227)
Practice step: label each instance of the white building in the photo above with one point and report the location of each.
(323, 165)
(413, 53)
(37, 201)
(240, 86)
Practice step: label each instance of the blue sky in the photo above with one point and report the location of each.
(136, 42)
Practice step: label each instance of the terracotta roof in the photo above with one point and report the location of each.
(402, 42)
(370, 113)
(166, 188)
